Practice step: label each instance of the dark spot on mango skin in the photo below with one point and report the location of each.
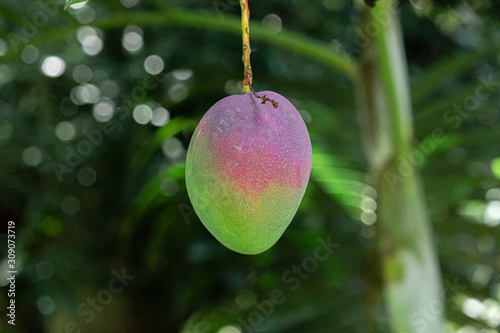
(265, 99)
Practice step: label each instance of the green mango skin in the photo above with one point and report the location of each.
(247, 168)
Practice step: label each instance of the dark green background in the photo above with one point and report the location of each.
(136, 216)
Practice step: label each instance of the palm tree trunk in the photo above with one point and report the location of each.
(409, 267)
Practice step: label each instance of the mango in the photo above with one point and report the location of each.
(247, 168)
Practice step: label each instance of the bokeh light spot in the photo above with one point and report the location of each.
(32, 156)
(467, 329)
(53, 66)
(51, 226)
(370, 192)
(46, 305)
(272, 22)
(492, 213)
(229, 329)
(84, 32)
(29, 54)
(161, 117)
(169, 187)
(368, 231)
(178, 92)
(493, 194)
(85, 15)
(132, 42)
(154, 65)
(368, 217)
(92, 45)
(90, 41)
(129, 3)
(85, 94)
(472, 308)
(245, 298)
(65, 131)
(103, 110)
(423, 7)
(306, 116)
(447, 22)
(86, 176)
(368, 204)
(182, 74)
(233, 87)
(173, 148)
(3, 47)
(132, 39)
(109, 88)
(142, 114)
(6, 74)
(82, 74)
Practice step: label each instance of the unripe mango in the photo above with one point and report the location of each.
(247, 168)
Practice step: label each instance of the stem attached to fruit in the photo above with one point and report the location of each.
(245, 31)
(248, 76)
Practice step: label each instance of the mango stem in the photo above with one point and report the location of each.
(245, 32)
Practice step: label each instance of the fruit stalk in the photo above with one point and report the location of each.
(245, 32)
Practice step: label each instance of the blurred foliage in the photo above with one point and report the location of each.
(92, 189)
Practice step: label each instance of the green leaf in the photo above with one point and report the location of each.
(72, 2)
(148, 199)
(142, 155)
(338, 178)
